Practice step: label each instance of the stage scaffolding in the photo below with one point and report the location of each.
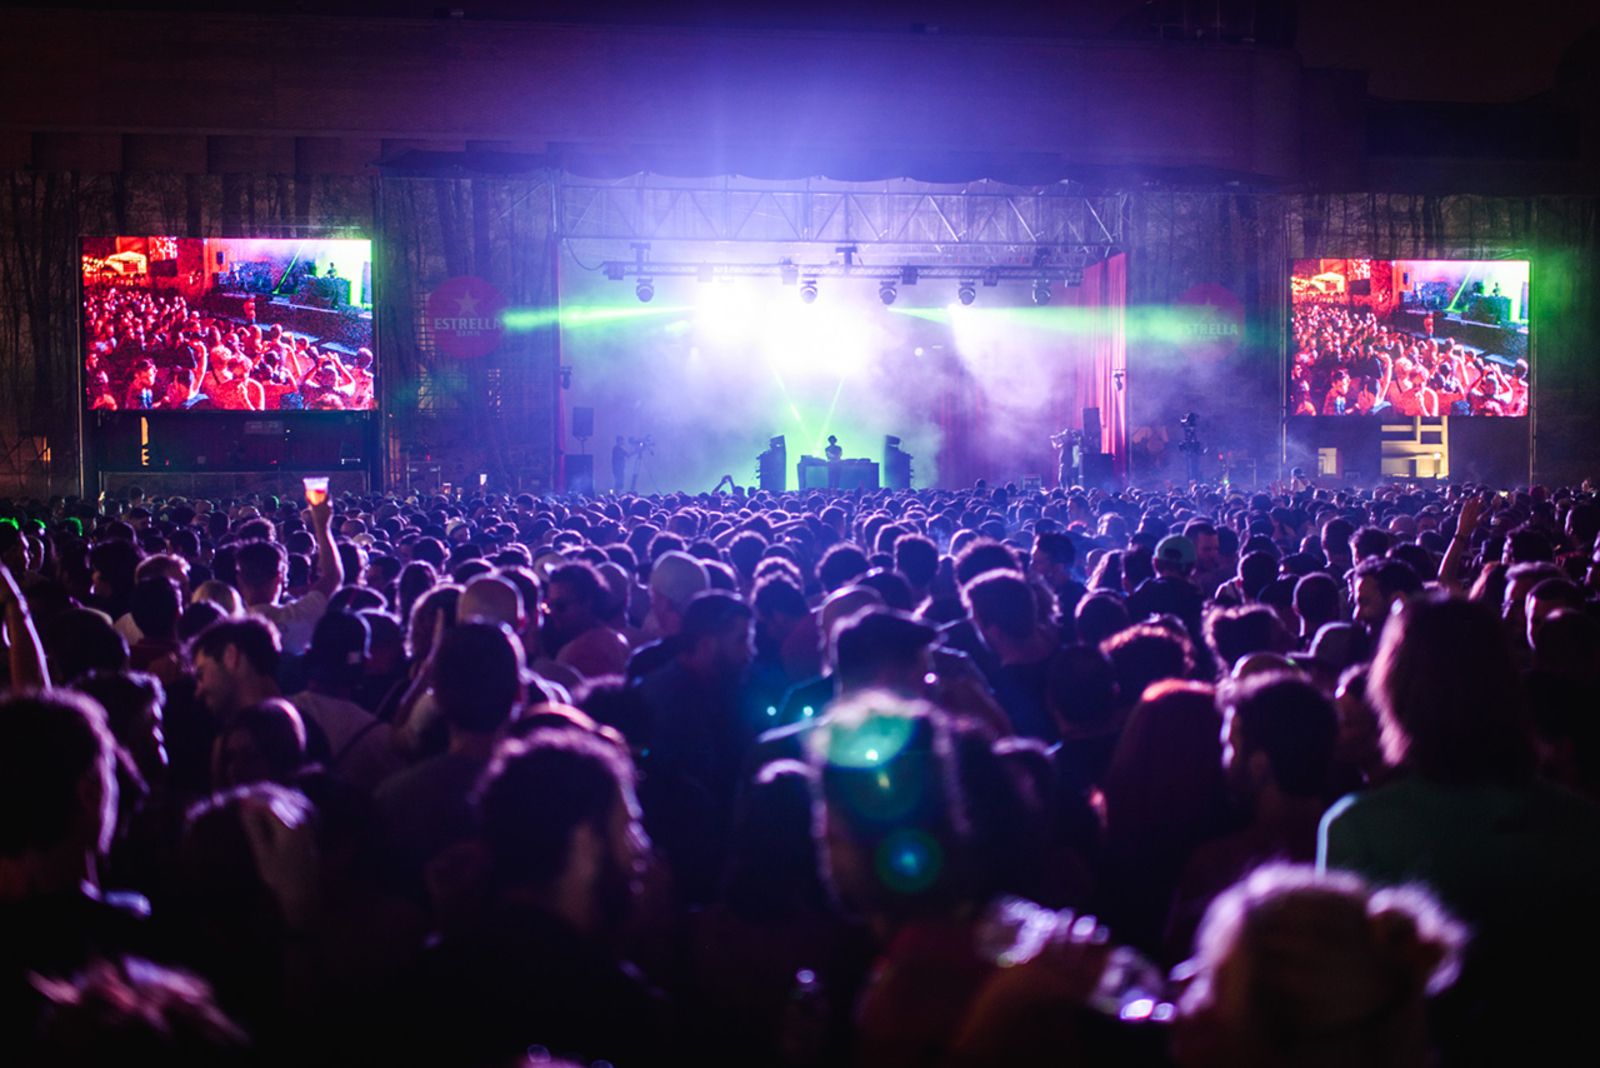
(967, 226)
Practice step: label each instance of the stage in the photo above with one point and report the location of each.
(713, 369)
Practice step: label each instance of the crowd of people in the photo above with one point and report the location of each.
(1345, 362)
(149, 349)
(1193, 777)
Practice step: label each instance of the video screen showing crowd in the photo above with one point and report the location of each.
(1408, 338)
(189, 324)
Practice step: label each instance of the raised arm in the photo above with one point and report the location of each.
(330, 566)
(1466, 523)
(24, 649)
(339, 369)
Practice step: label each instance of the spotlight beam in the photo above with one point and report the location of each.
(828, 420)
(794, 409)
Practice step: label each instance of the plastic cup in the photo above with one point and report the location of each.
(316, 490)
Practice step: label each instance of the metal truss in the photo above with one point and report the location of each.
(939, 226)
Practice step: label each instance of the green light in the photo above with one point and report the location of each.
(522, 320)
(1175, 324)
(833, 406)
(869, 744)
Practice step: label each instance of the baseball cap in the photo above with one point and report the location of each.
(545, 561)
(677, 577)
(1177, 550)
(339, 647)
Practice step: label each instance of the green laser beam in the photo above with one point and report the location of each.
(828, 420)
(1466, 280)
(1175, 324)
(522, 320)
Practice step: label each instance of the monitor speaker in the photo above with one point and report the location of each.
(583, 423)
(580, 473)
(1091, 430)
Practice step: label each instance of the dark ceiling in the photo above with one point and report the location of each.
(1426, 50)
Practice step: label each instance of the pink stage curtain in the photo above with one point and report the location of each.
(1111, 358)
(1094, 357)
(1083, 356)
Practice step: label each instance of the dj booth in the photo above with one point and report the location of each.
(815, 473)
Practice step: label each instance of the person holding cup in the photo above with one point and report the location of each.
(263, 570)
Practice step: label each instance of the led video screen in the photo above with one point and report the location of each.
(1407, 338)
(227, 324)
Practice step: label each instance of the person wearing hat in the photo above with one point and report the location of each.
(360, 748)
(1171, 591)
(675, 578)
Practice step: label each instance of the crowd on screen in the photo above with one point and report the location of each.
(914, 778)
(148, 349)
(1345, 362)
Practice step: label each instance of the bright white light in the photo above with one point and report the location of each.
(919, 351)
(727, 312)
(840, 339)
(1138, 1009)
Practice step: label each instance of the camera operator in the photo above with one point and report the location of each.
(619, 464)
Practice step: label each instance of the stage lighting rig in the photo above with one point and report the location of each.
(1074, 276)
(645, 290)
(808, 291)
(967, 291)
(1041, 292)
(887, 293)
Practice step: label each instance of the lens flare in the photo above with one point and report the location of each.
(909, 861)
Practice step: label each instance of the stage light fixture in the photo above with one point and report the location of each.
(887, 293)
(615, 270)
(706, 272)
(967, 291)
(1041, 292)
(808, 291)
(645, 290)
(991, 276)
(788, 273)
(1074, 276)
(909, 275)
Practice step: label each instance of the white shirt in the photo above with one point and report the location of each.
(295, 620)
